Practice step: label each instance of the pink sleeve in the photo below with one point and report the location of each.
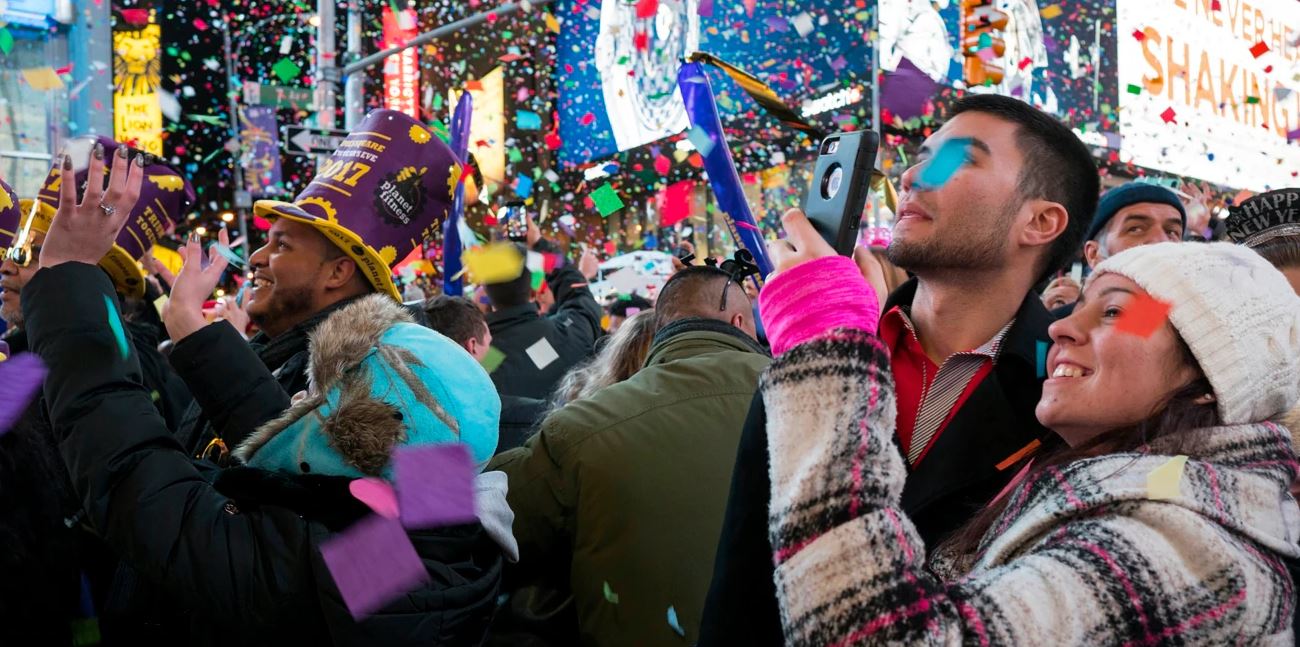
(808, 300)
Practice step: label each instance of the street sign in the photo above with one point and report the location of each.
(301, 140)
(279, 96)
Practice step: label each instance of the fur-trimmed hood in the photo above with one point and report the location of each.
(377, 380)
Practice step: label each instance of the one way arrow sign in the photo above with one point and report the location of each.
(301, 140)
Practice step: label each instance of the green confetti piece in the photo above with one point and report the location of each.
(115, 323)
(85, 632)
(610, 595)
(1252, 99)
(6, 41)
(286, 70)
(538, 279)
(155, 396)
(1133, 89)
(606, 200)
(492, 359)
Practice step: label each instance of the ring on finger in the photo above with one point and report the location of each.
(108, 209)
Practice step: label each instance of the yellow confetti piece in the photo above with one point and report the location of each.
(1163, 482)
(551, 23)
(42, 78)
(494, 263)
(1050, 11)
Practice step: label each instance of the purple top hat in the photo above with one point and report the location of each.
(387, 187)
(164, 197)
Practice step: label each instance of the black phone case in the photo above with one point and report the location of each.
(837, 217)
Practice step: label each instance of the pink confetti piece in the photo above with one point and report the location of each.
(435, 485)
(22, 376)
(377, 495)
(373, 563)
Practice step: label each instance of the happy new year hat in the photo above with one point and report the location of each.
(164, 197)
(1264, 217)
(388, 186)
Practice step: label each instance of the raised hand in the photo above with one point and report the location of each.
(588, 263)
(85, 227)
(802, 244)
(193, 285)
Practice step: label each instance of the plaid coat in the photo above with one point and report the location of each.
(1091, 552)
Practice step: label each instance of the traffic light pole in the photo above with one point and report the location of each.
(237, 171)
(355, 108)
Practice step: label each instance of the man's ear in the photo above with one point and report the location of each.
(1091, 253)
(341, 272)
(1048, 221)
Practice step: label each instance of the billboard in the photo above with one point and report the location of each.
(1208, 89)
(137, 74)
(618, 61)
(1058, 56)
(402, 70)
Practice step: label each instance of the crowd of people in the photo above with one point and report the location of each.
(953, 439)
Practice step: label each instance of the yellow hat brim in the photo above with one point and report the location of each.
(373, 267)
(124, 271)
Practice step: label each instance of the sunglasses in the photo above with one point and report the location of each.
(22, 255)
(23, 252)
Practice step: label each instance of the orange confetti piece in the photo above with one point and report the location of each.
(1143, 316)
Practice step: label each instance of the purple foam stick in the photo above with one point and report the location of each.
(373, 563)
(22, 378)
(435, 485)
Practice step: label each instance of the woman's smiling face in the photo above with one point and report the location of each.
(1100, 378)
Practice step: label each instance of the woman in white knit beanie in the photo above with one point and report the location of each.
(1166, 519)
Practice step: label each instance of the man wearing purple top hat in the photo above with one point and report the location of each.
(164, 198)
(387, 187)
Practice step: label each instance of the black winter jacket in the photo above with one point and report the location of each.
(218, 366)
(241, 558)
(571, 331)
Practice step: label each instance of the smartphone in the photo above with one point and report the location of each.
(837, 193)
(516, 227)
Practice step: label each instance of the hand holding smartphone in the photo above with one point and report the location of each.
(838, 191)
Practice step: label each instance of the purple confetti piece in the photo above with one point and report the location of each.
(435, 485)
(22, 376)
(706, 8)
(373, 563)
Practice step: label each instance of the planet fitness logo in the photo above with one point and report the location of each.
(401, 197)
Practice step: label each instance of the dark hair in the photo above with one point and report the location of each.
(1282, 253)
(1057, 167)
(1179, 412)
(511, 292)
(620, 307)
(693, 292)
(456, 317)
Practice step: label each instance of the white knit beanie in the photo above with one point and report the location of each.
(1238, 314)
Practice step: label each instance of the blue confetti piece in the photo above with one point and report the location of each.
(239, 296)
(946, 161)
(672, 622)
(701, 140)
(528, 120)
(115, 323)
(523, 187)
(1042, 359)
(230, 255)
